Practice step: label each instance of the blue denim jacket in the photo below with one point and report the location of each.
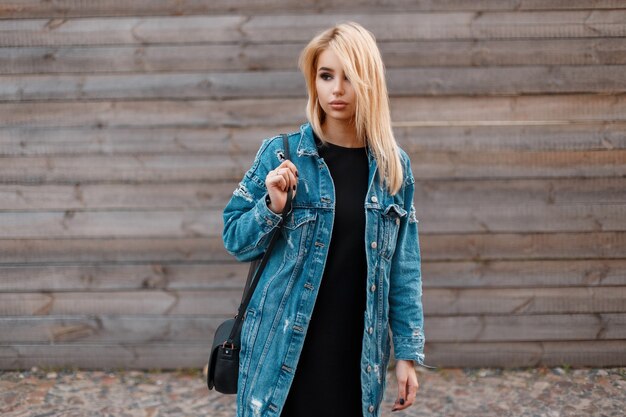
(277, 317)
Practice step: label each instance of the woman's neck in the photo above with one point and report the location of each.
(340, 133)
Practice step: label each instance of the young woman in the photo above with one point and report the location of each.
(315, 339)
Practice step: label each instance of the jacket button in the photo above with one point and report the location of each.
(374, 199)
(374, 245)
(370, 330)
(371, 409)
(373, 287)
(397, 221)
(269, 221)
(369, 368)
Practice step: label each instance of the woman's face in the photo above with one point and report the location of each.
(334, 91)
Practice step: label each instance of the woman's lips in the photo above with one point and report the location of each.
(338, 105)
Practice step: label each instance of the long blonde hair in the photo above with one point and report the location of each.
(356, 48)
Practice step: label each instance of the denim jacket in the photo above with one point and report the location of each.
(276, 320)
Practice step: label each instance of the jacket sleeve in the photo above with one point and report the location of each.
(248, 220)
(406, 314)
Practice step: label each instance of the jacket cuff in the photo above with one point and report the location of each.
(410, 349)
(266, 218)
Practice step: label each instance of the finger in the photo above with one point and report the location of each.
(288, 164)
(412, 390)
(284, 173)
(277, 180)
(293, 181)
(401, 400)
(281, 178)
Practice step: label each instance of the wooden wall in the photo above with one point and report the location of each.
(125, 127)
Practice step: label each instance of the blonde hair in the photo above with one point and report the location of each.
(356, 48)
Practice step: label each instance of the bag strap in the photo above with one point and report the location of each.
(255, 264)
(253, 279)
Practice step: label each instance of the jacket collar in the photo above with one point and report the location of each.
(307, 145)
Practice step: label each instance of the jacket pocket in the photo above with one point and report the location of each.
(392, 218)
(297, 232)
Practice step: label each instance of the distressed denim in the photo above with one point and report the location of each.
(278, 315)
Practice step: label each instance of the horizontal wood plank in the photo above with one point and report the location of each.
(276, 28)
(520, 274)
(181, 222)
(437, 302)
(128, 169)
(134, 276)
(464, 301)
(516, 192)
(514, 328)
(406, 112)
(155, 114)
(520, 110)
(404, 82)
(550, 193)
(506, 219)
(221, 275)
(172, 356)
(426, 165)
(75, 8)
(105, 356)
(187, 195)
(60, 251)
(107, 224)
(478, 247)
(243, 143)
(527, 354)
(266, 57)
(486, 247)
(240, 143)
(222, 303)
(529, 137)
(97, 329)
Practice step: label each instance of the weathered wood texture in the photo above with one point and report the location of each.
(96, 329)
(231, 85)
(206, 57)
(416, 111)
(223, 274)
(160, 355)
(126, 126)
(275, 28)
(444, 301)
(76, 8)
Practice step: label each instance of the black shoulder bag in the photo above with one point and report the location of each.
(223, 371)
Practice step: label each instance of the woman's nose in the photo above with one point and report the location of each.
(338, 88)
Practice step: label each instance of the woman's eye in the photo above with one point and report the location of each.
(325, 76)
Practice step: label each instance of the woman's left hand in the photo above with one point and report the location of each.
(407, 384)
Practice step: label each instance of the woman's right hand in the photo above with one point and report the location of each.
(278, 182)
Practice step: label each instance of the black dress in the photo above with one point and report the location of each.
(327, 380)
